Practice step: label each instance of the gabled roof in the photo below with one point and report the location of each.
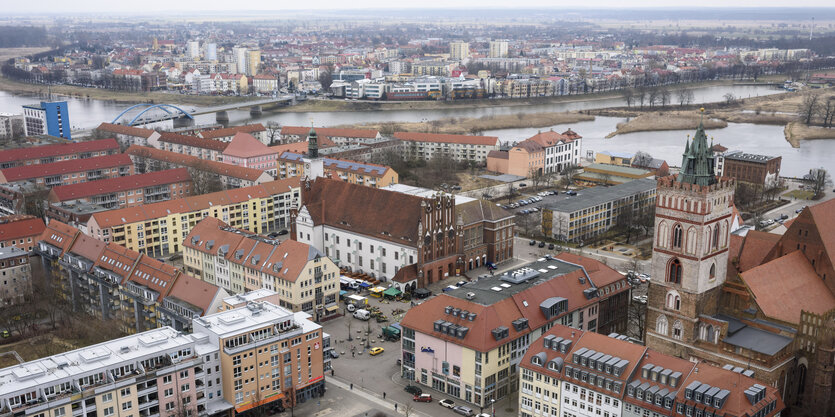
(196, 292)
(219, 168)
(386, 215)
(126, 130)
(59, 235)
(231, 131)
(443, 138)
(499, 154)
(782, 288)
(550, 138)
(244, 145)
(112, 185)
(65, 167)
(480, 210)
(193, 141)
(755, 247)
(822, 215)
(528, 146)
(58, 149)
(20, 227)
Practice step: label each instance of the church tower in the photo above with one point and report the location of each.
(314, 166)
(690, 251)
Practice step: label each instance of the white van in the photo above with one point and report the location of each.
(362, 314)
(348, 283)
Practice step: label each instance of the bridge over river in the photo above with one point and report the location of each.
(153, 113)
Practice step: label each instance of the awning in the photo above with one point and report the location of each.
(331, 309)
(364, 284)
(392, 292)
(342, 292)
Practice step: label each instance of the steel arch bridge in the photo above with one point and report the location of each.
(171, 111)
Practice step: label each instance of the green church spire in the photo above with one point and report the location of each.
(697, 160)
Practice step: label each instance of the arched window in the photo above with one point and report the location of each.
(661, 325)
(674, 271)
(673, 300)
(715, 242)
(712, 271)
(677, 330)
(677, 236)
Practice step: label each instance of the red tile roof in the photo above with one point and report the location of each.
(196, 292)
(193, 141)
(785, 286)
(230, 131)
(219, 168)
(551, 138)
(302, 131)
(387, 215)
(111, 185)
(59, 149)
(20, 227)
(499, 154)
(442, 138)
(822, 215)
(755, 248)
(126, 130)
(64, 167)
(294, 147)
(244, 145)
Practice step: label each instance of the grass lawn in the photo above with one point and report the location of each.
(799, 194)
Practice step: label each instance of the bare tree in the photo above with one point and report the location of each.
(641, 95)
(827, 110)
(348, 324)
(569, 172)
(664, 96)
(636, 321)
(273, 132)
(537, 177)
(730, 98)
(628, 96)
(685, 96)
(809, 107)
(819, 179)
(204, 180)
(654, 96)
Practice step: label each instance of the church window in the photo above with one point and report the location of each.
(677, 330)
(661, 325)
(716, 237)
(677, 236)
(674, 271)
(713, 271)
(673, 300)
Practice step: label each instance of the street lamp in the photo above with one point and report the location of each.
(493, 407)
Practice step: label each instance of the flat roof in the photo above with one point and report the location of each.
(492, 289)
(423, 192)
(254, 315)
(11, 252)
(751, 338)
(591, 197)
(748, 157)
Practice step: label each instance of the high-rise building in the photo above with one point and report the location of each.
(239, 55)
(459, 50)
(194, 49)
(211, 51)
(253, 62)
(498, 49)
(47, 118)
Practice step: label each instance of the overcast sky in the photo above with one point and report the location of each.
(144, 6)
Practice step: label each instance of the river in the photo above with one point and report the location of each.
(762, 139)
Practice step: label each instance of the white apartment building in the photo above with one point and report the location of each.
(459, 147)
(498, 49)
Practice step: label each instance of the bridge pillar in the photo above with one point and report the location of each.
(183, 121)
(255, 110)
(222, 117)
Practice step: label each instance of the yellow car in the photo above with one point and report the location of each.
(375, 351)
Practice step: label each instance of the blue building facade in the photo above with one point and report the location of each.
(48, 118)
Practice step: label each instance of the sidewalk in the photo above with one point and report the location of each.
(374, 398)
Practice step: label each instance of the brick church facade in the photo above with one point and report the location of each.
(759, 304)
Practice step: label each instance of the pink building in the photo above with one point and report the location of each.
(246, 151)
(177, 391)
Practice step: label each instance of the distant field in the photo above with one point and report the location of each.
(8, 53)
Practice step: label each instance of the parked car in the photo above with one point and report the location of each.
(551, 246)
(541, 244)
(464, 411)
(523, 185)
(334, 353)
(460, 283)
(422, 398)
(283, 232)
(571, 192)
(351, 308)
(376, 351)
(446, 403)
(533, 242)
(413, 389)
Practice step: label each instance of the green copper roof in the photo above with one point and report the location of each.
(312, 144)
(697, 160)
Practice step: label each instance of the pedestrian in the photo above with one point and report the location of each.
(352, 385)
(353, 354)
(331, 372)
(395, 406)
(384, 395)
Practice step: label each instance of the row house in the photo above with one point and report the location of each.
(148, 159)
(291, 164)
(20, 231)
(240, 262)
(69, 172)
(210, 150)
(468, 342)
(244, 150)
(544, 153)
(216, 370)
(130, 135)
(111, 282)
(425, 146)
(159, 229)
(235, 83)
(48, 154)
(571, 372)
(16, 279)
(257, 130)
(339, 136)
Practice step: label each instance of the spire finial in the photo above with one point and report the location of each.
(702, 114)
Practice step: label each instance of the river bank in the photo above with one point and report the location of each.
(123, 97)
(796, 131)
(474, 125)
(666, 121)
